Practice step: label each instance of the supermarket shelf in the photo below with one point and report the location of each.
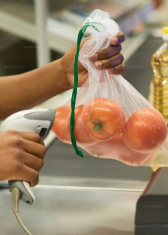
(7, 40)
(19, 19)
(27, 30)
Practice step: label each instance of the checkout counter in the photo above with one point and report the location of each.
(90, 196)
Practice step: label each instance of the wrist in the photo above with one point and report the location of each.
(64, 76)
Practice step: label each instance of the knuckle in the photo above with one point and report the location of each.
(41, 151)
(107, 52)
(103, 54)
(41, 163)
(123, 37)
(112, 63)
(17, 153)
(121, 57)
(118, 48)
(15, 140)
(16, 166)
(35, 137)
(44, 150)
(38, 138)
(11, 132)
(18, 142)
(123, 67)
(36, 178)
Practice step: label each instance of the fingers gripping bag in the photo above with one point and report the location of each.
(107, 116)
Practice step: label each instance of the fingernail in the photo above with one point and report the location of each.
(115, 40)
(98, 65)
(94, 57)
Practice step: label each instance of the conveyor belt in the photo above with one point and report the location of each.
(72, 212)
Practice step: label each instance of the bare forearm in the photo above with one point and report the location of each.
(27, 90)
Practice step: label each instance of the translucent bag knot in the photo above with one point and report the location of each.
(103, 22)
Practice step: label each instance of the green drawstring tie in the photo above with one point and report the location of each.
(74, 92)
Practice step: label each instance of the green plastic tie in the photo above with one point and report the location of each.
(74, 92)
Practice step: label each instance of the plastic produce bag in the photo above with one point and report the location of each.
(107, 116)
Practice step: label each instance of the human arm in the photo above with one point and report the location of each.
(24, 91)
